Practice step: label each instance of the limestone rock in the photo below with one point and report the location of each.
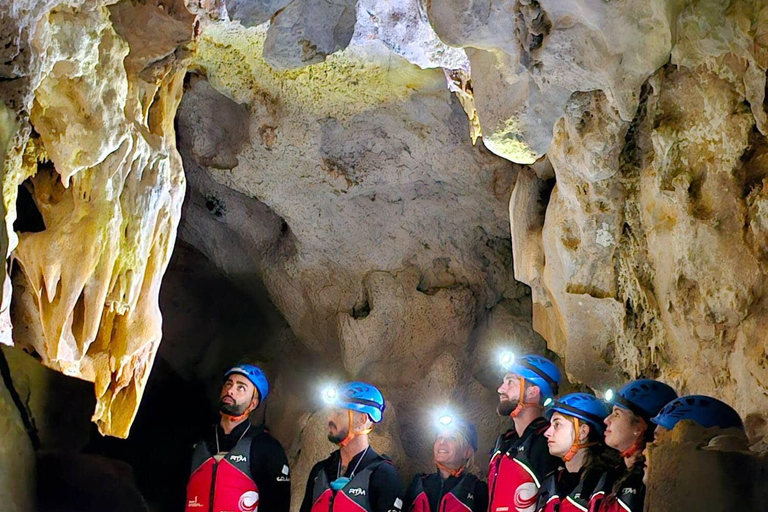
(104, 174)
(307, 31)
(17, 459)
(529, 57)
(254, 12)
(403, 26)
(58, 406)
(689, 455)
(638, 258)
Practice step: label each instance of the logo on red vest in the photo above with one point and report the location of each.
(194, 503)
(525, 497)
(249, 501)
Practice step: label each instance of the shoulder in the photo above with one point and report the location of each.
(384, 472)
(418, 479)
(264, 438)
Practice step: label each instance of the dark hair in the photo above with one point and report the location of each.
(638, 465)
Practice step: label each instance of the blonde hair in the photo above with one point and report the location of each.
(464, 444)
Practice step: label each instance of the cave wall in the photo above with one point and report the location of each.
(359, 179)
(376, 227)
(649, 257)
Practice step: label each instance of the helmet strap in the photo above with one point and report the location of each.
(246, 413)
(638, 445)
(351, 433)
(453, 472)
(576, 446)
(521, 404)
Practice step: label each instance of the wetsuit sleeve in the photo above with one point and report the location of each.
(269, 467)
(306, 503)
(386, 489)
(542, 462)
(481, 496)
(410, 494)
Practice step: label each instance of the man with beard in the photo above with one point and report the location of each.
(354, 477)
(239, 466)
(521, 459)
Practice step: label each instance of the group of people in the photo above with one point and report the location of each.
(565, 453)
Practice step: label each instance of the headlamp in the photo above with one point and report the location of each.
(445, 420)
(507, 359)
(609, 395)
(330, 394)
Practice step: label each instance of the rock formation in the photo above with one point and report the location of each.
(335, 175)
(649, 255)
(91, 93)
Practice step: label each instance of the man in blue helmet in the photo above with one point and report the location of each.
(238, 466)
(354, 477)
(521, 458)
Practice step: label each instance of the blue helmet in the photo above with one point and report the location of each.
(255, 375)
(704, 410)
(644, 397)
(361, 397)
(537, 370)
(583, 406)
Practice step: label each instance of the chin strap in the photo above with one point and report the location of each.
(576, 446)
(351, 434)
(521, 401)
(453, 472)
(246, 413)
(638, 445)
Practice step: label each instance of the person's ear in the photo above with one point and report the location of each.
(533, 394)
(583, 432)
(255, 401)
(360, 421)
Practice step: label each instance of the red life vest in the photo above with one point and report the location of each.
(225, 485)
(458, 499)
(576, 501)
(355, 496)
(512, 482)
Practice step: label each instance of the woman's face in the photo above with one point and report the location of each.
(560, 435)
(450, 451)
(623, 429)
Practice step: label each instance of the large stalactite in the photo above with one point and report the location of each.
(96, 152)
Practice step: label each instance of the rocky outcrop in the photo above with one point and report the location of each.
(648, 256)
(17, 458)
(92, 94)
(689, 455)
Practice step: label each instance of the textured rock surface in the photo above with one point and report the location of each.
(58, 406)
(689, 455)
(528, 57)
(93, 92)
(17, 459)
(649, 256)
(378, 230)
(330, 169)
